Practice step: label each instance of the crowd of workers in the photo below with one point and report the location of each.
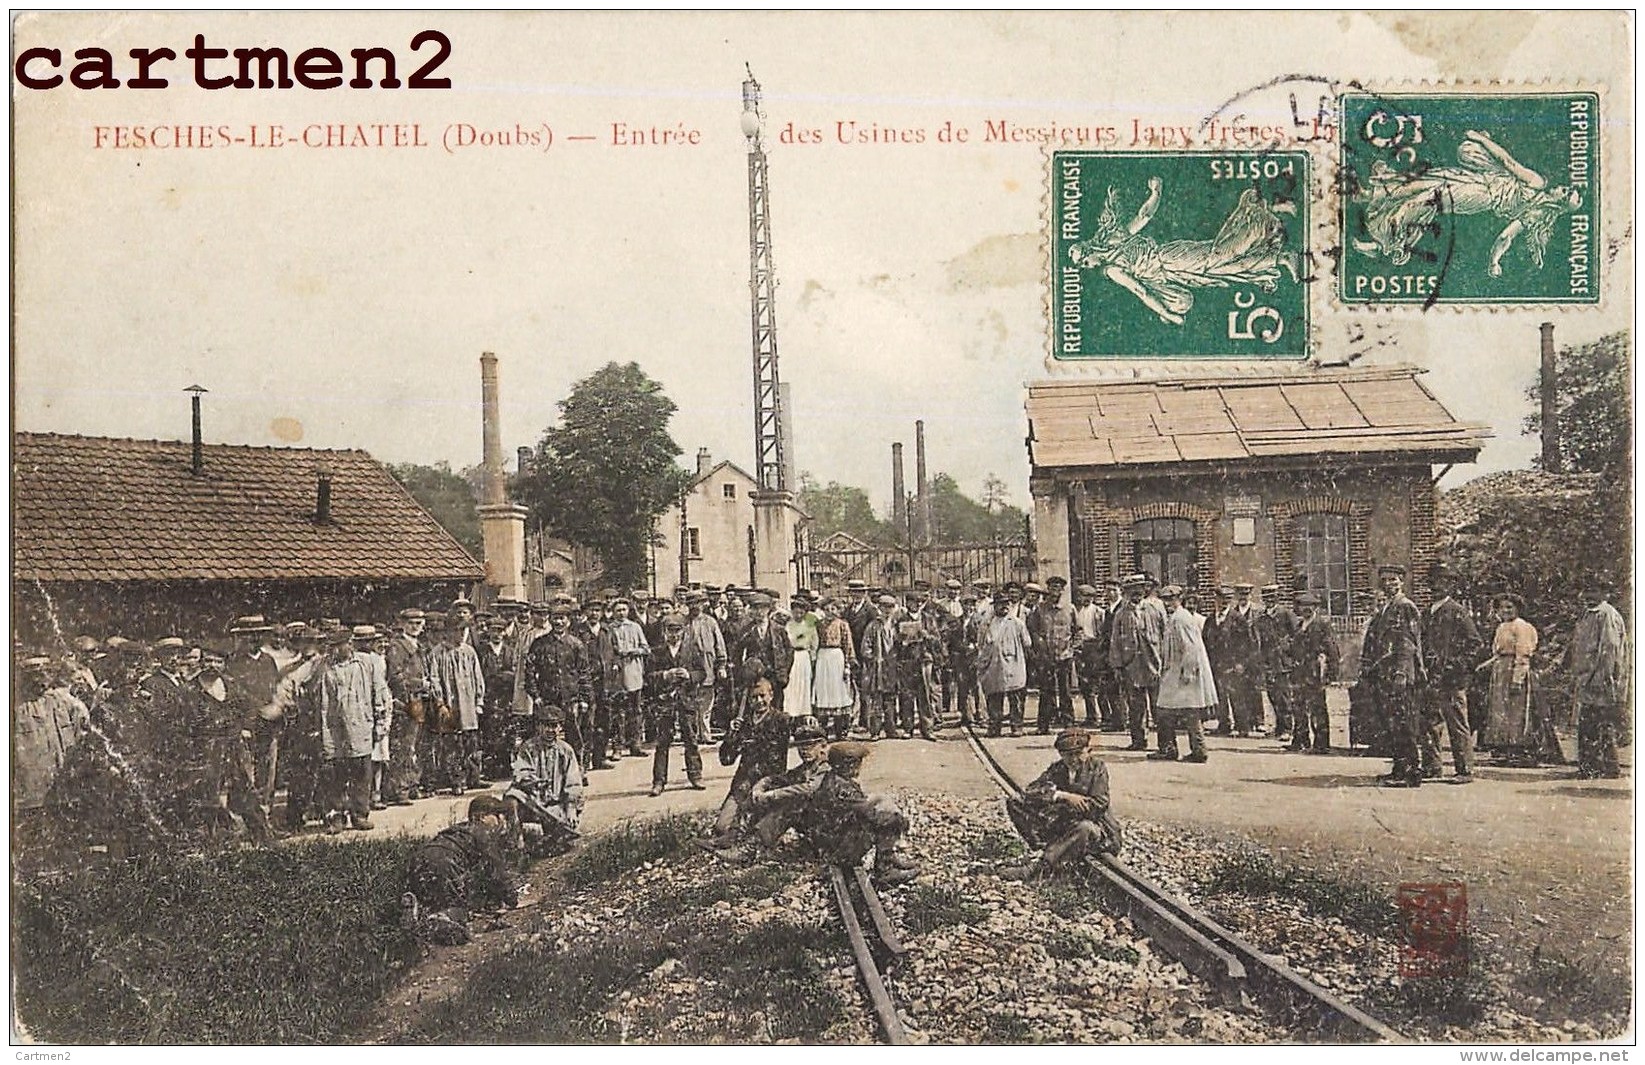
(355, 718)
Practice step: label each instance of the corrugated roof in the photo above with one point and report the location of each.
(1219, 419)
(102, 509)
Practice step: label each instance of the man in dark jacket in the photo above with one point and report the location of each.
(460, 870)
(1241, 642)
(1314, 665)
(1451, 648)
(673, 673)
(1397, 673)
(1066, 809)
(844, 822)
(1276, 629)
(766, 641)
(557, 674)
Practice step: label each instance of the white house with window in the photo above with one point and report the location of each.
(713, 535)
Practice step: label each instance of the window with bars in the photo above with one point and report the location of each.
(1320, 553)
(1166, 548)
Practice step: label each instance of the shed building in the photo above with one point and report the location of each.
(131, 537)
(1312, 478)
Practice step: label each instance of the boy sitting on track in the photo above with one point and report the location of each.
(545, 793)
(1066, 809)
(844, 822)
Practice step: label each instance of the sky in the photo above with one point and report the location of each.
(341, 296)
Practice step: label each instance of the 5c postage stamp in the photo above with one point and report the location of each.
(1179, 254)
(1469, 198)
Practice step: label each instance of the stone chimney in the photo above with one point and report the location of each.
(197, 456)
(502, 524)
(922, 494)
(522, 459)
(1548, 386)
(705, 461)
(899, 492)
(322, 494)
(491, 432)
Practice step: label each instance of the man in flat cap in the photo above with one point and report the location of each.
(1276, 630)
(674, 674)
(1240, 638)
(879, 673)
(408, 684)
(499, 663)
(1051, 628)
(766, 642)
(557, 674)
(1002, 666)
(1066, 809)
(344, 696)
(1135, 636)
(779, 802)
(964, 632)
(1315, 665)
(1597, 662)
(545, 788)
(844, 822)
(1451, 648)
(1398, 674)
(47, 722)
(626, 683)
(1186, 690)
(705, 646)
(461, 870)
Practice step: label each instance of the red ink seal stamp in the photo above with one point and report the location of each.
(1434, 920)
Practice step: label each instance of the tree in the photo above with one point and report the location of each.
(993, 493)
(447, 496)
(961, 519)
(839, 507)
(1593, 397)
(602, 476)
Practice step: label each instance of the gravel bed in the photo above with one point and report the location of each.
(992, 960)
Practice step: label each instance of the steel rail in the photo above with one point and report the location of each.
(1210, 950)
(878, 994)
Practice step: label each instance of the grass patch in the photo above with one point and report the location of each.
(774, 968)
(1577, 987)
(1456, 1000)
(1000, 1026)
(1072, 946)
(287, 945)
(996, 845)
(1252, 872)
(932, 906)
(629, 846)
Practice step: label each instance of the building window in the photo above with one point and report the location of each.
(1165, 548)
(728, 491)
(1321, 556)
(693, 543)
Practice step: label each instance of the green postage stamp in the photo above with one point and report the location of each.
(1469, 198)
(1179, 255)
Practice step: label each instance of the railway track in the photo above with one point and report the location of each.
(874, 958)
(1240, 972)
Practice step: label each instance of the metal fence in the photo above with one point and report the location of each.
(825, 568)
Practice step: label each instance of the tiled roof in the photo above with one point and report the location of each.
(1221, 419)
(91, 508)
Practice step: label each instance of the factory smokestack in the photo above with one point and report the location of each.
(492, 427)
(922, 487)
(1550, 407)
(899, 494)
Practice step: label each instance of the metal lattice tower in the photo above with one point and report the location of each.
(770, 470)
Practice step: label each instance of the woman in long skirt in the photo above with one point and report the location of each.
(831, 692)
(802, 633)
(1512, 729)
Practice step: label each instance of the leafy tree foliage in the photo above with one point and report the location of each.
(1594, 399)
(602, 476)
(836, 507)
(959, 518)
(448, 496)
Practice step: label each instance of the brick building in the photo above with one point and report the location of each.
(136, 537)
(1319, 475)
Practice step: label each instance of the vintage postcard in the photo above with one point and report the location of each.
(823, 528)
